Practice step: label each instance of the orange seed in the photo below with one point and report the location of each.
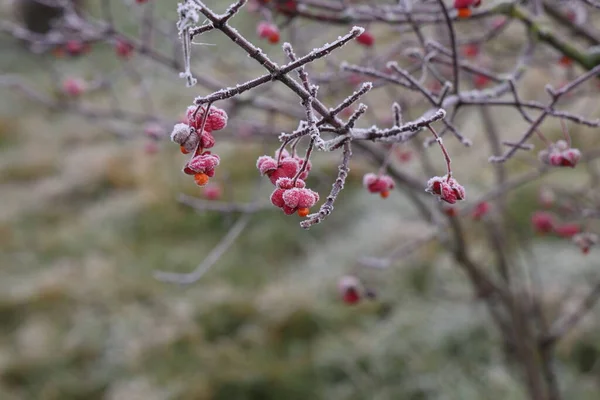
(201, 179)
(303, 212)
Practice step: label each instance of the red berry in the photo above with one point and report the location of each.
(351, 296)
(567, 230)
(481, 81)
(366, 39)
(349, 287)
(73, 86)
(212, 192)
(123, 48)
(481, 210)
(381, 184)
(565, 61)
(543, 222)
(268, 31)
(471, 50)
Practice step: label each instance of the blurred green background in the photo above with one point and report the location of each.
(86, 217)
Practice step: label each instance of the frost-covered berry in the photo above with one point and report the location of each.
(207, 140)
(349, 288)
(543, 222)
(567, 230)
(268, 31)
(366, 39)
(287, 168)
(292, 197)
(446, 189)
(186, 137)
(570, 157)
(481, 210)
(216, 120)
(73, 86)
(203, 163)
(560, 154)
(381, 184)
(123, 48)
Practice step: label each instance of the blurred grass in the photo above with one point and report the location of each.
(86, 219)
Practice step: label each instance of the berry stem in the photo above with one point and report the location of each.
(541, 136)
(444, 151)
(565, 131)
(309, 150)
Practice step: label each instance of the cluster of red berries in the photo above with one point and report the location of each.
(464, 7)
(269, 31)
(72, 48)
(288, 173)
(194, 138)
(446, 188)
(75, 48)
(381, 184)
(544, 222)
(479, 212)
(560, 154)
